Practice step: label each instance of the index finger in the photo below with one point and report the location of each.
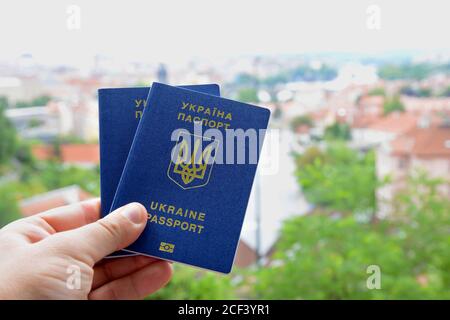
(72, 216)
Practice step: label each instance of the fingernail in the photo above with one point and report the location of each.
(133, 213)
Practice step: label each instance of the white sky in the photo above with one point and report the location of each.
(175, 31)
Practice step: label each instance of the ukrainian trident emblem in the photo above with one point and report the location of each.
(192, 160)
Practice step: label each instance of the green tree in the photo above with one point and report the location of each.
(275, 79)
(299, 121)
(38, 101)
(11, 146)
(193, 284)
(307, 73)
(248, 95)
(406, 71)
(4, 103)
(393, 104)
(338, 131)
(41, 100)
(22, 104)
(25, 160)
(55, 175)
(324, 255)
(338, 178)
(246, 80)
(416, 92)
(319, 257)
(425, 211)
(377, 92)
(9, 208)
(445, 92)
(8, 137)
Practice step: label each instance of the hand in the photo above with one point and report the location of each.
(58, 255)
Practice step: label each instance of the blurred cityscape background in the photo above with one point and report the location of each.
(363, 175)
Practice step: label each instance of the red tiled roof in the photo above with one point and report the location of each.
(364, 121)
(77, 153)
(70, 153)
(396, 122)
(424, 142)
(81, 82)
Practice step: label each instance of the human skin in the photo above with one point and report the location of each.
(58, 254)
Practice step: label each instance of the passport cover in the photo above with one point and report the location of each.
(195, 214)
(120, 110)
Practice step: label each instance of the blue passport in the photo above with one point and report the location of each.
(192, 165)
(120, 110)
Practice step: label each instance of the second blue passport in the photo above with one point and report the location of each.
(120, 110)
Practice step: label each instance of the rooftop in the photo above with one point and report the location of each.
(424, 142)
(395, 122)
(70, 153)
(80, 153)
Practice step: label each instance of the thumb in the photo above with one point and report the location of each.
(114, 232)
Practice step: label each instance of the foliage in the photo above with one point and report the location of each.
(23, 154)
(307, 73)
(338, 131)
(248, 95)
(193, 284)
(34, 123)
(22, 189)
(299, 73)
(69, 139)
(8, 136)
(405, 71)
(393, 104)
(424, 208)
(445, 92)
(11, 146)
(299, 121)
(246, 80)
(324, 257)
(273, 80)
(338, 178)
(40, 178)
(55, 175)
(13, 191)
(302, 73)
(4, 102)
(416, 92)
(38, 101)
(9, 208)
(377, 92)
(412, 71)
